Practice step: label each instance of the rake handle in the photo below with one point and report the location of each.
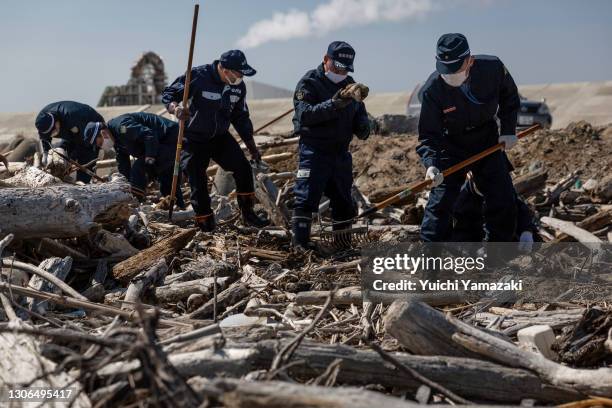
(272, 121)
(78, 165)
(421, 185)
(179, 142)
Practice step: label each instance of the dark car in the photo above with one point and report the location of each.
(530, 113)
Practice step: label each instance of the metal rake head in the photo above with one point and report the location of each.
(331, 235)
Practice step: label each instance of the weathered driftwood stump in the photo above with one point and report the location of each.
(61, 211)
(31, 177)
(128, 269)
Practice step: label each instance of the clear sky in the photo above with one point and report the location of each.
(70, 49)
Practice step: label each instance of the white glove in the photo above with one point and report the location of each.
(434, 174)
(525, 241)
(508, 140)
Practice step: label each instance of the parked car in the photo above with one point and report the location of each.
(530, 112)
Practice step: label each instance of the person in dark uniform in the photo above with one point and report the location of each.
(218, 99)
(150, 139)
(66, 120)
(325, 120)
(468, 222)
(460, 102)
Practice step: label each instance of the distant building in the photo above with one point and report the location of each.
(144, 87)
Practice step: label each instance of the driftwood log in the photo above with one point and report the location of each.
(178, 291)
(423, 330)
(69, 211)
(142, 282)
(267, 193)
(57, 267)
(277, 394)
(597, 382)
(569, 228)
(22, 365)
(236, 292)
(31, 177)
(463, 376)
(592, 223)
(128, 269)
(530, 183)
(354, 295)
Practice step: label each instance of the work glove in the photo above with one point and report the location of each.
(339, 101)
(181, 112)
(525, 241)
(434, 174)
(253, 150)
(508, 140)
(357, 91)
(363, 131)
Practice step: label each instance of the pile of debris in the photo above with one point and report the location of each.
(103, 296)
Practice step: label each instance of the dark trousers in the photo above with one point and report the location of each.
(499, 201)
(324, 173)
(226, 152)
(162, 170)
(468, 217)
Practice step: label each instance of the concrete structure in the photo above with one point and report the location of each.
(146, 83)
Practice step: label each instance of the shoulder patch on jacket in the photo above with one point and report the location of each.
(299, 95)
(75, 129)
(123, 130)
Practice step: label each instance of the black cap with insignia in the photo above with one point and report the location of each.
(342, 54)
(452, 49)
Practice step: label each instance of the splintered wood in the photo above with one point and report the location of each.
(102, 295)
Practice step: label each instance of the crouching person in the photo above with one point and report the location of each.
(150, 139)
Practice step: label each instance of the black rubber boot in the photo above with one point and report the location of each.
(206, 223)
(301, 223)
(246, 204)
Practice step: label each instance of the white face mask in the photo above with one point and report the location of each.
(335, 78)
(235, 81)
(107, 144)
(455, 79)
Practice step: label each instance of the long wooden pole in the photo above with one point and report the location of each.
(179, 143)
(421, 185)
(272, 121)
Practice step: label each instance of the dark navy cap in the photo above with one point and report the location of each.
(91, 131)
(44, 123)
(236, 61)
(342, 54)
(451, 51)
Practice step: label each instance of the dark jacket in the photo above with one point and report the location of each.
(73, 117)
(452, 126)
(143, 135)
(318, 123)
(214, 105)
